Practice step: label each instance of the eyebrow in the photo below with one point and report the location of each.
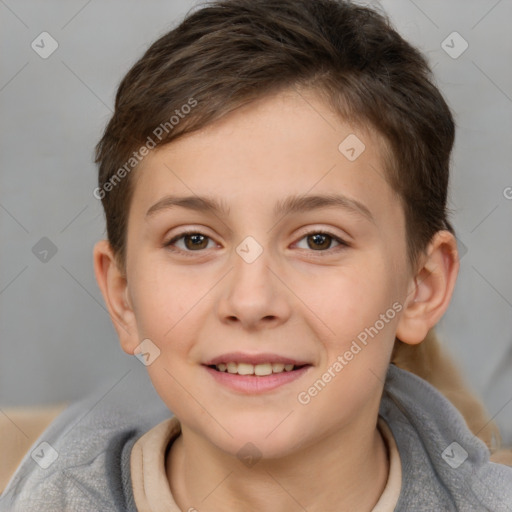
(292, 204)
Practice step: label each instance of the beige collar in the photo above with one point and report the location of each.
(151, 489)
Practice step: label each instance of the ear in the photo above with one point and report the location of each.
(114, 288)
(430, 290)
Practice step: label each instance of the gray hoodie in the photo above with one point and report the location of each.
(85, 463)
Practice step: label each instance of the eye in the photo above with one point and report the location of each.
(193, 241)
(320, 241)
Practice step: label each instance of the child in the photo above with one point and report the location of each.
(274, 179)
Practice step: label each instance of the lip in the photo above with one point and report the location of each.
(241, 357)
(252, 384)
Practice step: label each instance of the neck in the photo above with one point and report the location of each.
(348, 468)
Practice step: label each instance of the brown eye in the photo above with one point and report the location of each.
(195, 241)
(322, 242)
(319, 241)
(192, 242)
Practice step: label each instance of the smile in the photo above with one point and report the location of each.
(260, 370)
(255, 379)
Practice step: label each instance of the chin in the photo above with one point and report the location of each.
(253, 437)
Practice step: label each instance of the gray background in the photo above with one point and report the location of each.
(56, 339)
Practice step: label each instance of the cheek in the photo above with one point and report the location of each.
(163, 302)
(166, 310)
(361, 314)
(351, 299)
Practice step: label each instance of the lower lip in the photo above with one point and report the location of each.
(252, 384)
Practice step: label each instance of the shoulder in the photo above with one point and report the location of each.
(443, 464)
(82, 461)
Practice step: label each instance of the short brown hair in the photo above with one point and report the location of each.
(229, 53)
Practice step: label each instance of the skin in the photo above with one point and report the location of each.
(303, 297)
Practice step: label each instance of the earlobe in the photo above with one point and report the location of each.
(431, 289)
(114, 288)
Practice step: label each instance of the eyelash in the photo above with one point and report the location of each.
(342, 243)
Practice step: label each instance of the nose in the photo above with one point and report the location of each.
(255, 295)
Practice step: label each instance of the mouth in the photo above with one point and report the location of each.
(259, 370)
(255, 374)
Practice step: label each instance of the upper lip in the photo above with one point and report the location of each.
(240, 357)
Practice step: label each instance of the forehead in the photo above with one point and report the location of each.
(290, 143)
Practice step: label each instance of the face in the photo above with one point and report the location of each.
(298, 276)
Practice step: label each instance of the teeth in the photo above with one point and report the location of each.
(254, 369)
(232, 368)
(245, 369)
(263, 369)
